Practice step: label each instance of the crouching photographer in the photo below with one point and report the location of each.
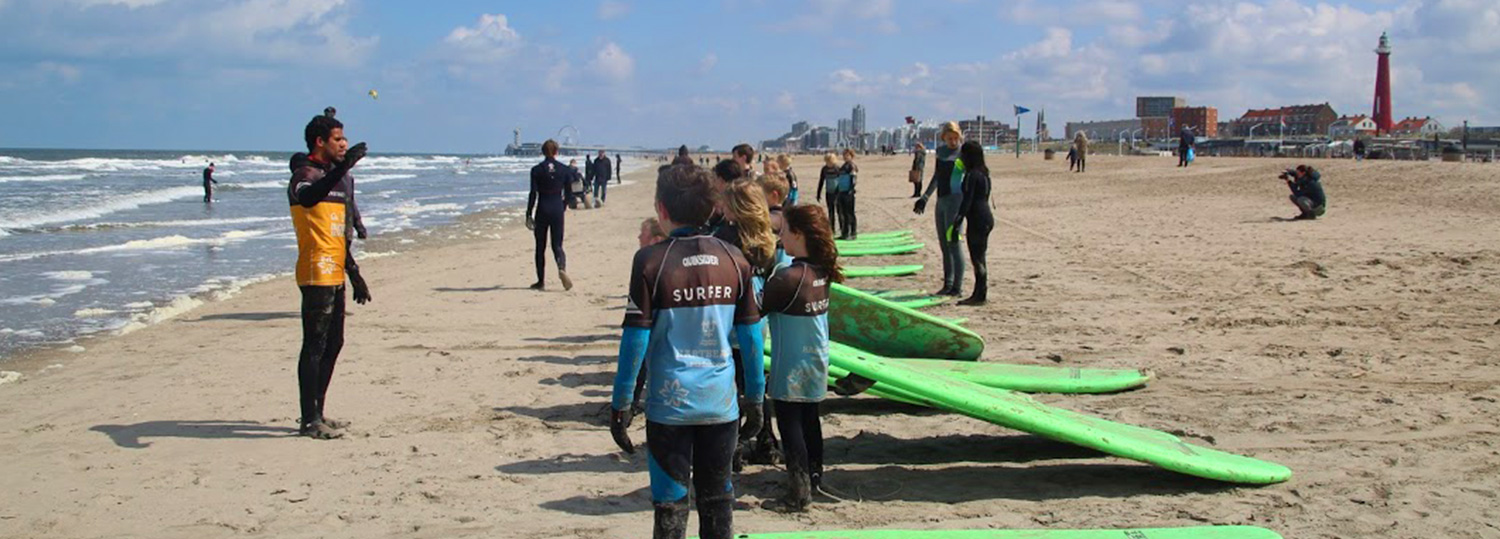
(1307, 191)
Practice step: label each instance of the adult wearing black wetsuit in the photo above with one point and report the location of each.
(848, 180)
(828, 189)
(319, 191)
(208, 183)
(975, 208)
(544, 213)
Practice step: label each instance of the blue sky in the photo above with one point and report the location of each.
(457, 76)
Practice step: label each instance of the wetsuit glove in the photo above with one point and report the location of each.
(353, 155)
(619, 429)
(361, 290)
(921, 206)
(754, 419)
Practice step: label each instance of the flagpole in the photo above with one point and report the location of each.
(1018, 133)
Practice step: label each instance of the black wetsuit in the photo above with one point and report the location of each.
(975, 208)
(617, 169)
(848, 225)
(544, 205)
(827, 178)
(208, 184)
(602, 170)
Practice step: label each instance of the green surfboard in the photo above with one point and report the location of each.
(886, 234)
(881, 271)
(1021, 412)
(874, 241)
(870, 323)
(922, 302)
(897, 294)
(1023, 378)
(1194, 532)
(878, 250)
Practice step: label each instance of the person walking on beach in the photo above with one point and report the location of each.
(319, 189)
(795, 301)
(208, 184)
(848, 180)
(689, 297)
(1185, 144)
(1359, 149)
(828, 187)
(1081, 145)
(588, 178)
(602, 169)
(947, 180)
(618, 177)
(1072, 158)
(575, 185)
(976, 209)
(791, 180)
(549, 179)
(918, 167)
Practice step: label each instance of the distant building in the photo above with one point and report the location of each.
(1105, 130)
(986, 132)
(845, 132)
(1417, 127)
(1352, 126)
(1156, 128)
(1204, 121)
(819, 138)
(1299, 120)
(1041, 126)
(1157, 107)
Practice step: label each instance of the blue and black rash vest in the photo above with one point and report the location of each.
(690, 292)
(795, 301)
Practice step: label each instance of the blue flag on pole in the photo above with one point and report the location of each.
(1021, 110)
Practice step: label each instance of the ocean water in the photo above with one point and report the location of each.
(107, 241)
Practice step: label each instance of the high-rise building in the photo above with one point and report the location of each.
(1382, 112)
(857, 120)
(1157, 107)
(845, 131)
(800, 128)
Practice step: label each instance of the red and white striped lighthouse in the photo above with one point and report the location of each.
(1382, 113)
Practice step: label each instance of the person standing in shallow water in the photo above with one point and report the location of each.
(549, 180)
(208, 183)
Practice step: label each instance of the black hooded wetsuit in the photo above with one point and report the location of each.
(549, 181)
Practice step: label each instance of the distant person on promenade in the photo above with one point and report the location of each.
(602, 170)
(545, 213)
(689, 297)
(1306, 184)
(791, 180)
(1081, 145)
(918, 168)
(828, 184)
(976, 209)
(848, 180)
(320, 186)
(947, 180)
(208, 184)
(1185, 144)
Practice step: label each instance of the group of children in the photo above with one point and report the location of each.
(728, 256)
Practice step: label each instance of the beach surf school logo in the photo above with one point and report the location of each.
(700, 260)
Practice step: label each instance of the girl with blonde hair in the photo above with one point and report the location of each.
(947, 180)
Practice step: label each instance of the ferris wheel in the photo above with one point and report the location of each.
(568, 136)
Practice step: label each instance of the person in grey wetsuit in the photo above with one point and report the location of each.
(947, 181)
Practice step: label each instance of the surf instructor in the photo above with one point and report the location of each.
(318, 193)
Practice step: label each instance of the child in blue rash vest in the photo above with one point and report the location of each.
(796, 302)
(848, 182)
(687, 295)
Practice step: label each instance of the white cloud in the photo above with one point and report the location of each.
(786, 102)
(612, 9)
(708, 62)
(612, 63)
(490, 40)
(819, 15)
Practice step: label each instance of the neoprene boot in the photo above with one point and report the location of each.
(671, 520)
(798, 494)
(716, 517)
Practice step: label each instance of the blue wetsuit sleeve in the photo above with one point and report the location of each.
(632, 353)
(752, 356)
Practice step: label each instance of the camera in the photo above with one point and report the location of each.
(1288, 174)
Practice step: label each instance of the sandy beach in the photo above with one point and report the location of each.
(1359, 350)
